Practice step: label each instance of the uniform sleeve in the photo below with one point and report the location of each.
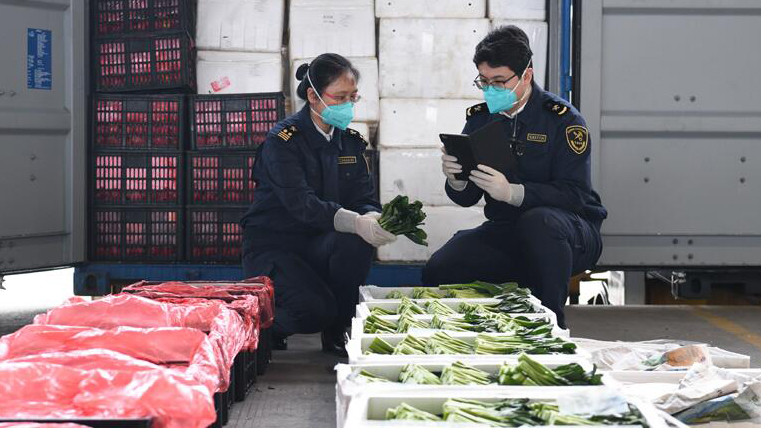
(571, 171)
(280, 160)
(363, 200)
(471, 194)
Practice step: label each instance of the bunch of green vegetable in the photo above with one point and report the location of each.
(527, 372)
(425, 293)
(396, 294)
(401, 217)
(419, 375)
(490, 344)
(532, 373)
(510, 412)
(441, 343)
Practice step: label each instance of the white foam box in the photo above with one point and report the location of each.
(358, 325)
(518, 9)
(538, 39)
(364, 308)
(415, 173)
(346, 27)
(429, 58)
(349, 386)
(357, 346)
(417, 122)
(430, 9)
(441, 224)
(240, 25)
(368, 409)
(367, 109)
(239, 72)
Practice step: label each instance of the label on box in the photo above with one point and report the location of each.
(38, 59)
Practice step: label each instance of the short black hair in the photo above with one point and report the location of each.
(323, 71)
(506, 46)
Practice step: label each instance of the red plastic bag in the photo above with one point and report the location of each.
(225, 327)
(246, 306)
(101, 384)
(167, 345)
(262, 287)
(39, 425)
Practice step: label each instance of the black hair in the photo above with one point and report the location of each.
(323, 71)
(506, 46)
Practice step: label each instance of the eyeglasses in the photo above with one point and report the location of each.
(482, 83)
(355, 97)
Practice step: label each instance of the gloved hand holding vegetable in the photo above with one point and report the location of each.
(366, 226)
(403, 218)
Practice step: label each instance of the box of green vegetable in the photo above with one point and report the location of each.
(451, 346)
(509, 406)
(469, 375)
(405, 305)
(472, 290)
(382, 325)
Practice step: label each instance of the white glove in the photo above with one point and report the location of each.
(496, 185)
(366, 226)
(450, 167)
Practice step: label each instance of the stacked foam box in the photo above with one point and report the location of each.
(426, 83)
(425, 51)
(530, 16)
(240, 46)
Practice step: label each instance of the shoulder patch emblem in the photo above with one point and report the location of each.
(577, 137)
(355, 133)
(286, 133)
(557, 108)
(476, 109)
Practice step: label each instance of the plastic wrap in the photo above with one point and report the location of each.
(225, 327)
(102, 384)
(39, 425)
(165, 346)
(261, 286)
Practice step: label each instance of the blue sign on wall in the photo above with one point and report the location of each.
(38, 62)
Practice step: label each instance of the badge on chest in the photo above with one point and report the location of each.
(347, 160)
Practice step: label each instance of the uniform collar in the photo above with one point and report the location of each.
(314, 135)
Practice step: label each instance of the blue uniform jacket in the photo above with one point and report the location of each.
(302, 179)
(554, 166)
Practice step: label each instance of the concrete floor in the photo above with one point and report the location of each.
(299, 388)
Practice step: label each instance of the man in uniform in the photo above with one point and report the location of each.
(543, 217)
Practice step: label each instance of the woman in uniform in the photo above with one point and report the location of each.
(314, 223)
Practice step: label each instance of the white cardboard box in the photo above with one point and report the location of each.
(239, 72)
(537, 36)
(346, 27)
(367, 109)
(415, 173)
(240, 25)
(430, 9)
(517, 9)
(418, 122)
(429, 58)
(440, 225)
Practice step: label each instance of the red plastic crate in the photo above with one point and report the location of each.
(138, 17)
(220, 178)
(136, 234)
(136, 178)
(236, 121)
(214, 235)
(145, 63)
(139, 122)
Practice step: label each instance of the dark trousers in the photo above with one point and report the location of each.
(316, 278)
(541, 250)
